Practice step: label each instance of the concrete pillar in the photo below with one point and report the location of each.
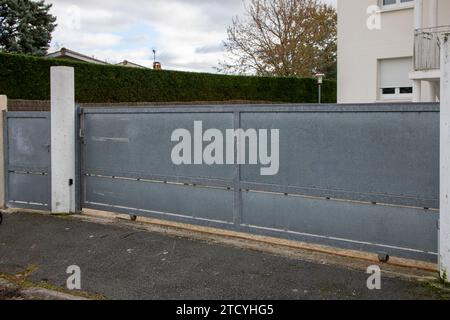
(418, 14)
(444, 232)
(417, 90)
(3, 108)
(63, 139)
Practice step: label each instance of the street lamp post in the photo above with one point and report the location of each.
(319, 77)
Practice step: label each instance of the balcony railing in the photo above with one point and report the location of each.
(427, 55)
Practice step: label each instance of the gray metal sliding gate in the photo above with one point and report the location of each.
(27, 160)
(357, 176)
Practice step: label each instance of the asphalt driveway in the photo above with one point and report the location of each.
(119, 262)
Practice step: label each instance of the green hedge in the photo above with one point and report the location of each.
(25, 77)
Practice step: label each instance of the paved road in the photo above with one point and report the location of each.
(122, 263)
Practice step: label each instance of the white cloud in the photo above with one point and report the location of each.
(186, 33)
(139, 56)
(87, 41)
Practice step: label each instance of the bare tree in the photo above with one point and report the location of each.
(282, 38)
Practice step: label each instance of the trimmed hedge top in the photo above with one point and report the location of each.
(27, 77)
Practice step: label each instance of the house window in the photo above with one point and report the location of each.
(394, 82)
(396, 4)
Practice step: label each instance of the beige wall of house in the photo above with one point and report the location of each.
(365, 55)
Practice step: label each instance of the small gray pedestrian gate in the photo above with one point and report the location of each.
(27, 160)
(361, 177)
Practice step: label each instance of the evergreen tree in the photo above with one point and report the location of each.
(26, 26)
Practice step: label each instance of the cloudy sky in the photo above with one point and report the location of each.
(187, 34)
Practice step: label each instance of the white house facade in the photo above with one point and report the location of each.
(388, 50)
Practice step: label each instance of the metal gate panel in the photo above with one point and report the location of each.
(408, 232)
(164, 199)
(28, 188)
(123, 143)
(353, 176)
(27, 161)
(386, 157)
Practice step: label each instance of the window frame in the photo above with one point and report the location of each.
(397, 86)
(396, 6)
(397, 95)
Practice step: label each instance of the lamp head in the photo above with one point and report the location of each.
(319, 77)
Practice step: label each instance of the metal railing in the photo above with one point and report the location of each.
(427, 48)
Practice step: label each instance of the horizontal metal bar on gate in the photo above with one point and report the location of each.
(345, 240)
(343, 195)
(25, 205)
(259, 187)
(161, 178)
(28, 114)
(102, 207)
(34, 170)
(286, 108)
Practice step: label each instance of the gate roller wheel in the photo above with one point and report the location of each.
(383, 257)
